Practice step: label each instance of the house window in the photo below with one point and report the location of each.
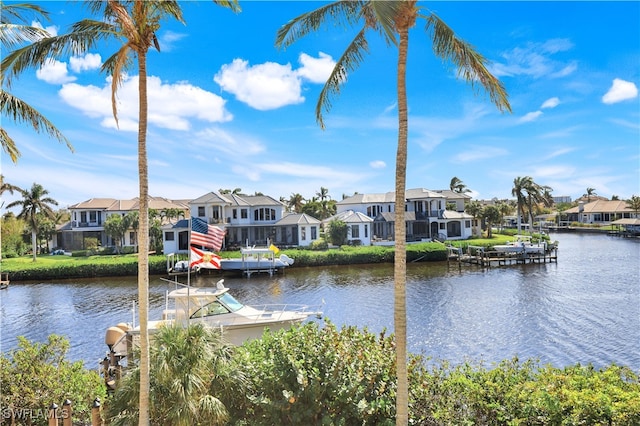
(244, 214)
(442, 226)
(366, 231)
(314, 233)
(235, 213)
(169, 236)
(200, 211)
(303, 233)
(467, 224)
(264, 214)
(355, 231)
(93, 217)
(132, 238)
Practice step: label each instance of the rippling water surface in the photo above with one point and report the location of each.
(584, 308)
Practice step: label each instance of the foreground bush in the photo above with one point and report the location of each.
(36, 375)
(311, 375)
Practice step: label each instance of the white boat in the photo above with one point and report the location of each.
(522, 244)
(213, 306)
(254, 259)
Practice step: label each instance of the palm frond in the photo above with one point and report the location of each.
(384, 15)
(13, 35)
(19, 111)
(349, 61)
(341, 13)
(9, 145)
(471, 65)
(84, 35)
(229, 4)
(17, 11)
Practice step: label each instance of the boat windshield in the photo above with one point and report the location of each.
(231, 302)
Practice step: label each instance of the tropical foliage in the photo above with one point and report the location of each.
(192, 379)
(14, 32)
(35, 206)
(36, 375)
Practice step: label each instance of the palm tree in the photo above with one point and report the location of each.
(193, 374)
(474, 208)
(456, 185)
(296, 201)
(519, 190)
(392, 20)
(14, 31)
(634, 204)
(590, 192)
(34, 203)
(136, 24)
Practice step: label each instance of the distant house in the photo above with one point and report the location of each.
(88, 219)
(599, 212)
(358, 225)
(247, 220)
(426, 214)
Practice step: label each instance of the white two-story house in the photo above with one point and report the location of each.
(426, 214)
(247, 220)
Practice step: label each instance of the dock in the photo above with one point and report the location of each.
(4, 281)
(476, 255)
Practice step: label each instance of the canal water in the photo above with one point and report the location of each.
(585, 308)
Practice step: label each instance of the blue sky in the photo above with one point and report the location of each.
(229, 110)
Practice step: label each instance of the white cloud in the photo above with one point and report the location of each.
(263, 87)
(168, 40)
(52, 30)
(270, 85)
(550, 103)
(535, 60)
(316, 70)
(90, 61)
(530, 116)
(170, 105)
(620, 91)
(54, 72)
(378, 164)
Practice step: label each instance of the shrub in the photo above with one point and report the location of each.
(37, 374)
(319, 245)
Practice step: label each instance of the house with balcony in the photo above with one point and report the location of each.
(88, 219)
(247, 220)
(426, 214)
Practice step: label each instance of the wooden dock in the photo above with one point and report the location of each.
(475, 255)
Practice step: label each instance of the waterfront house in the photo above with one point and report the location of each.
(88, 218)
(247, 220)
(426, 214)
(598, 212)
(358, 226)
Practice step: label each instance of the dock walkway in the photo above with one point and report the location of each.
(475, 255)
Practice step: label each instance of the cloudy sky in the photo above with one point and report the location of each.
(227, 109)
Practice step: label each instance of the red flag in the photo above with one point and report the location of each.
(204, 259)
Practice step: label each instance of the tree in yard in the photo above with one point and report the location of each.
(634, 204)
(456, 185)
(34, 202)
(14, 32)
(7, 187)
(505, 209)
(474, 208)
(114, 228)
(492, 216)
(528, 194)
(392, 20)
(590, 192)
(134, 24)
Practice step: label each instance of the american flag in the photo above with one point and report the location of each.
(205, 235)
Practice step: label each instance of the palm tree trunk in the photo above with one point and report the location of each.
(34, 242)
(143, 243)
(400, 259)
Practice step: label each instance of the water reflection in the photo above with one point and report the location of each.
(585, 308)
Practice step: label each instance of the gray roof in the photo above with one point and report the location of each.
(390, 197)
(350, 216)
(298, 219)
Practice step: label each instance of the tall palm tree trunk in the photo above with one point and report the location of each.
(143, 242)
(34, 241)
(400, 259)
